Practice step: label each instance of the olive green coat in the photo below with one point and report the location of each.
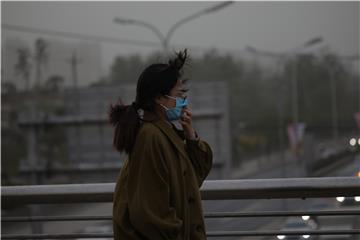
(157, 191)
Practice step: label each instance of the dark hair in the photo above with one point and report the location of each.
(157, 79)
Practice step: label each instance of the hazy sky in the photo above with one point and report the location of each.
(274, 26)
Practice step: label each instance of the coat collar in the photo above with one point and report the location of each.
(167, 129)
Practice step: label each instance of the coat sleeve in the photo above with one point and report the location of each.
(201, 157)
(150, 210)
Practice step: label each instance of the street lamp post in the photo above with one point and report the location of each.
(281, 57)
(165, 39)
(334, 113)
(294, 79)
(295, 91)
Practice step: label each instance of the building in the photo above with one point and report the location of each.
(61, 55)
(91, 144)
(90, 155)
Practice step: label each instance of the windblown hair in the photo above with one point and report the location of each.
(156, 80)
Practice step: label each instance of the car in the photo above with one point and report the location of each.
(351, 170)
(298, 224)
(343, 201)
(348, 200)
(102, 228)
(316, 206)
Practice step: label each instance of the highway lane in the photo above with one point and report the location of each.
(290, 170)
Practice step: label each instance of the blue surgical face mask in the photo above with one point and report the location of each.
(175, 113)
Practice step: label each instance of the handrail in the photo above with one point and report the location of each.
(210, 190)
(209, 234)
(206, 215)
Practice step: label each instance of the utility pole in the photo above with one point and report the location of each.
(74, 62)
(334, 115)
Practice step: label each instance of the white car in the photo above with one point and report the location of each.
(97, 229)
(348, 200)
(297, 224)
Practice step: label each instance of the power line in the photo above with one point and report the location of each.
(79, 36)
(114, 40)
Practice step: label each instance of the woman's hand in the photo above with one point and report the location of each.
(186, 123)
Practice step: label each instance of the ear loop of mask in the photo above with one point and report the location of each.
(175, 97)
(163, 106)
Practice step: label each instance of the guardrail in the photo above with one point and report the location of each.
(211, 190)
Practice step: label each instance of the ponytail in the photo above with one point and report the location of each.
(126, 121)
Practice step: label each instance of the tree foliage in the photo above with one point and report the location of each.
(261, 101)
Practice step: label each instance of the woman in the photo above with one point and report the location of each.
(157, 190)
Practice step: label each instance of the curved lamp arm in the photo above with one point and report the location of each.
(193, 16)
(143, 24)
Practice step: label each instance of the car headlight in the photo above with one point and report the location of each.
(340, 199)
(280, 237)
(357, 198)
(306, 236)
(352, 142)
(305, 217)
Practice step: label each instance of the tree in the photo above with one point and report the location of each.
(314, 76)
(8, 88)
(41, 59)
(13, 144)
(54, 83)
(23, 65)
(52, 147)
(214, 67)
(13, 147)
(260, 100)
(126, 69)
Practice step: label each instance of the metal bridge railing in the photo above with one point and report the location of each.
(211, 190)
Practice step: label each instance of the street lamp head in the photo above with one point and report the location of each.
(251, 49)
(123, 20)
(313, 41)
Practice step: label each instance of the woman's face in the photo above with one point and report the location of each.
(176, 91)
